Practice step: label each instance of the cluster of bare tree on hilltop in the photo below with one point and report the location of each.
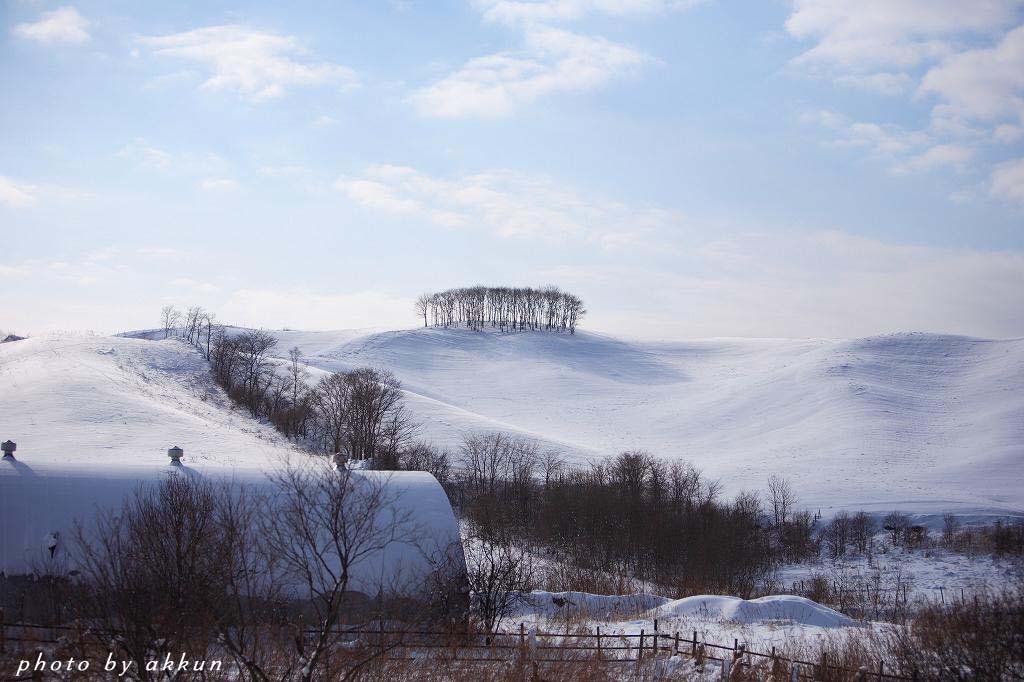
(505, 308)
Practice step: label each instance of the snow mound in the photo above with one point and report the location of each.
(774, 609)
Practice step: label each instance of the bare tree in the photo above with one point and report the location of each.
(782, 499)
(424, 457)
(159, 570)
(507, 308)
(897, 524)
(377, 420)
(331, 400)
(500, 576)
(327, 521)
(169, 319)
(423, 306)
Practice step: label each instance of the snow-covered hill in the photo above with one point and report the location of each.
(920, 422)
(93, 418)
(108, 403)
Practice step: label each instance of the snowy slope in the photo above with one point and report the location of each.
(88, 401)
(93, 418)
(919, 422)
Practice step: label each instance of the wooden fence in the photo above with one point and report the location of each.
(611, 648)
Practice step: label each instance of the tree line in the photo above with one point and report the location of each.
(357, 414)
(632, 515)
(504, 308)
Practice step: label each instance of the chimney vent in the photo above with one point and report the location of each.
(175, 454)
(8, 446)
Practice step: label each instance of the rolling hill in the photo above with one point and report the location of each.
(916, 421)
(920, 422)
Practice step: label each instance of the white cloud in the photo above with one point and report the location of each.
(528, 11)
(158, 252)
(867, 35)
(937, 156)
(508, 203)
(551, 60)
(887, 140)
(905, 151)
(257, 64)
(377, 195)
(973, 72)
(23, 195)
(1008, 181)
(195, 285)
(1008, 133)
(64, 25)
(985, 84)
(882, 83)
(146, 155)
(219, 185)
(324, 121)
(283, 171)
(16, 194)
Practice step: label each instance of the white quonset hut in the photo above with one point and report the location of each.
(40, 504)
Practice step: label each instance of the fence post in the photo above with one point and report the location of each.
(881, 669)
(640, 652)
(675, 643)
(599, 642)
(380, 635)
(522, 638)
(695, 644)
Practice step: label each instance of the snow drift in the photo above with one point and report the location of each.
(774, 609)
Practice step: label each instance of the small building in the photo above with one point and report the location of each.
(40, 504)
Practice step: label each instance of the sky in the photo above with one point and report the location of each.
(804, 168)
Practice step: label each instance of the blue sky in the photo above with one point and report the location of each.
(806, 168)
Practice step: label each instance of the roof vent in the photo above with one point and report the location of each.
(175, 454)
(8, 446)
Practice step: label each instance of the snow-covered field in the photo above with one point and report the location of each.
(919, 422)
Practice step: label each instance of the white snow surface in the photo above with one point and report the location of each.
(777, 609)
(919, 422)
(93, 418)
(774, 621)
(783, 608)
